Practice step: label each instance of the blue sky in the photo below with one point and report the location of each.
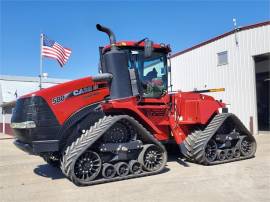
(182, 24)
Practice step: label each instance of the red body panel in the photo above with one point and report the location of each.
(170, 116)
(64, 109)
(141, 112)
(195, 108)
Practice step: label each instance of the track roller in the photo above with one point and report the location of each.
(236, 153)
(221, 155)
(108, 171)
(122, 169)
(135, 167)
(229, 153)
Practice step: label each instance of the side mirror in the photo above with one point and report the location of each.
(148, 48)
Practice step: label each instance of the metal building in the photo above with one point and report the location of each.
(12, 87)
(238, 61)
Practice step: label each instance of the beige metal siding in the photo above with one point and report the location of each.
(198, 69)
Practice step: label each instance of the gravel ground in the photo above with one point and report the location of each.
(28, 178)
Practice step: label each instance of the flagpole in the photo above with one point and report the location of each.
(40, 63)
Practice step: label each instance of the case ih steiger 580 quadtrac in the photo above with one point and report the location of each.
(113, 126)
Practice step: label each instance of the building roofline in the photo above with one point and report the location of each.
(31, 79)
(221, 36)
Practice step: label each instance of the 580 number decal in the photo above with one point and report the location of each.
(58, 99)
(77, 92)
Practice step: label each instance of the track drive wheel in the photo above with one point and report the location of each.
(151, 157)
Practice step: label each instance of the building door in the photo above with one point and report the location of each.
(262, 70)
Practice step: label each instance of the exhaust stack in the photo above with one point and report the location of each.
(109, 33)
(115, 64)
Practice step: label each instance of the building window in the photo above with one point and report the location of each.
(222, 58)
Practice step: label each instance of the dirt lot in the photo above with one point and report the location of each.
(28, 178)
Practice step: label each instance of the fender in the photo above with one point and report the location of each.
(83, 118)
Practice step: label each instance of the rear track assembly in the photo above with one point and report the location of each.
(224, 140)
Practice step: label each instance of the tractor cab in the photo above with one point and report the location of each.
(152, 71)
(137, 68)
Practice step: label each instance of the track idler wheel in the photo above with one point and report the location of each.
(122, 169)
(135, 167)
(221, 155)
(108, 171)
(151, 157)
(247, 146)
(87, 167)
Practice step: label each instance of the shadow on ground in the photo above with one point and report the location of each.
(174, 155)
(49, 171)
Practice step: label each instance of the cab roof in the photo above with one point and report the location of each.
(130, 44)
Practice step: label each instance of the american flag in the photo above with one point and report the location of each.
(54, 50)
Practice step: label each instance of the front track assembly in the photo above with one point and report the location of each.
(225, 139)
(114, 148)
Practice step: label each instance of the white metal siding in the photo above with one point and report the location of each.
(8, 87)
(21, 87)
(198, 69)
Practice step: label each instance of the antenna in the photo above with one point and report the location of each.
(235, 31)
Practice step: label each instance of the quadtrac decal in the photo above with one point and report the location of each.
(62, 98)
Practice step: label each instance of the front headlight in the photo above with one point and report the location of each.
(23, 125)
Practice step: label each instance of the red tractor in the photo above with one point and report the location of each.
(114, 126)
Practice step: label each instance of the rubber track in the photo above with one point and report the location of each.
(87, 139)
(196, 142)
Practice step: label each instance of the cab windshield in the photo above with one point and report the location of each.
(152, 72)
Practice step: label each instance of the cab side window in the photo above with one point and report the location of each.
(154, 76)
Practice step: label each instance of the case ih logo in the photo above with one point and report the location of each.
(59, 99)
(84, 90)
